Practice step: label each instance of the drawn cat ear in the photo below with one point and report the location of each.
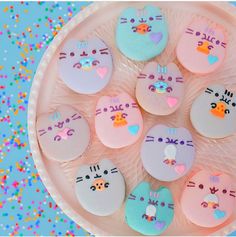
(143, 187)
(165, 194)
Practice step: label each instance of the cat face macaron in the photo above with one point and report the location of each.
(210, 196)
(159, 90)
(63, 134)
(202, 47)
(167, 153)
(213, 113)
(118, 120)
(85, 66)
(148, 211)
(100, 188)
(141, 34)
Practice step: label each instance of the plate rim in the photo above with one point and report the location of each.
(32, 106)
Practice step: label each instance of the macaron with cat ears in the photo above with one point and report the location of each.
(147, 211)
(85, 66)
(63, 134)
(213, 113)
(141, 34)
(202, 46)
(167, 153)
(100, 188)
(160, 89)
(118, 120)
(208, 195)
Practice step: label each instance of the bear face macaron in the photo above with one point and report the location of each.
(202, 47)
(118, 120)
(213, 113)
(208, 195)
(160, 89)
(148, 211)
(85, 66)
(63, 134)
(141, 34)
(167, 153)
(100, 188)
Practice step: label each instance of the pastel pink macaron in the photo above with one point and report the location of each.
(208, 199)
(202, 46)
(118, 120)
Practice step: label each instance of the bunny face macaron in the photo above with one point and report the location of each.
(167, 153)
(213, 113)
(85, 66)
(202, 47)
(160, 90)
(141, 34)
(63, 134)
(100, 188)
(148, 211)
(210, 196)
(118, 121)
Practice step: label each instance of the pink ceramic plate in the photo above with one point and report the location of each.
(48, 91)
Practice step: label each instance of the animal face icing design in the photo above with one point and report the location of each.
(213, 113)
(148, 211)
(85, 66)
(118, 121)
(160, 90)
(167, 153)
(141, 34)
(210, 196)
(64, 134)
(202, 47)
(100, 188)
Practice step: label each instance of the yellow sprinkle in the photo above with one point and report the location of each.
(1, 67)
(26, 50)
(22, 55)
(1, 170)
(11, 218)
(16, 112)
(5, 9)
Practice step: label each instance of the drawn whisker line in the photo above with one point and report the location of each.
(123, 18)
(132, 195)
(191, 186)
(189, 29)
(141, 74)
(62, 53)
(150, 137)
(41, 130)
(232, 191)
(149, 140)
(188, 32)
(131, 198)
(98, 113)
(115, 171)
(42, 134)
(191, 182)
(104, 53)
(189, 145)
(103, 49)
(223, 45)
(232, 195)
(123, 22)
(61, 57)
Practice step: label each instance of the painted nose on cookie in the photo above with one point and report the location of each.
(218, 109)
(99, 184)
(204, 48)
(119, 120)
(142, 28)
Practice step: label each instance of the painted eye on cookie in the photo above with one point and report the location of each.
(94, 51)
(152, 88)
(87, 176)
(162, 204)
(72, 54)
(105, 172)
(49, 128)
(141, 199)
(198, 33)
(151, 18)
(132, 20)
(210, 47)
(201, 186)
(224, 191)
(151, 76)
(233, 104)
(216, 94)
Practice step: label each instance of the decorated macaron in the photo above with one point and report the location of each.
(202, 46)
(63, 134)
(100, 188)
(213, 113)
(118, 120)
(160, 89)
(167, 153)
(85, 66)
(208, 195)
(141, 34)
(148, 211)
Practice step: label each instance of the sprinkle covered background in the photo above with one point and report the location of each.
(26, 30)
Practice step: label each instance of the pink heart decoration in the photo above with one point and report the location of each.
(102, 71)
(156, 37)
(179, 169)
(172, 101)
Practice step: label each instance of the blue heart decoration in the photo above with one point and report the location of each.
(218, 214)
(133, 129)
(156, 37)
(160, 225)
(212, 59)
